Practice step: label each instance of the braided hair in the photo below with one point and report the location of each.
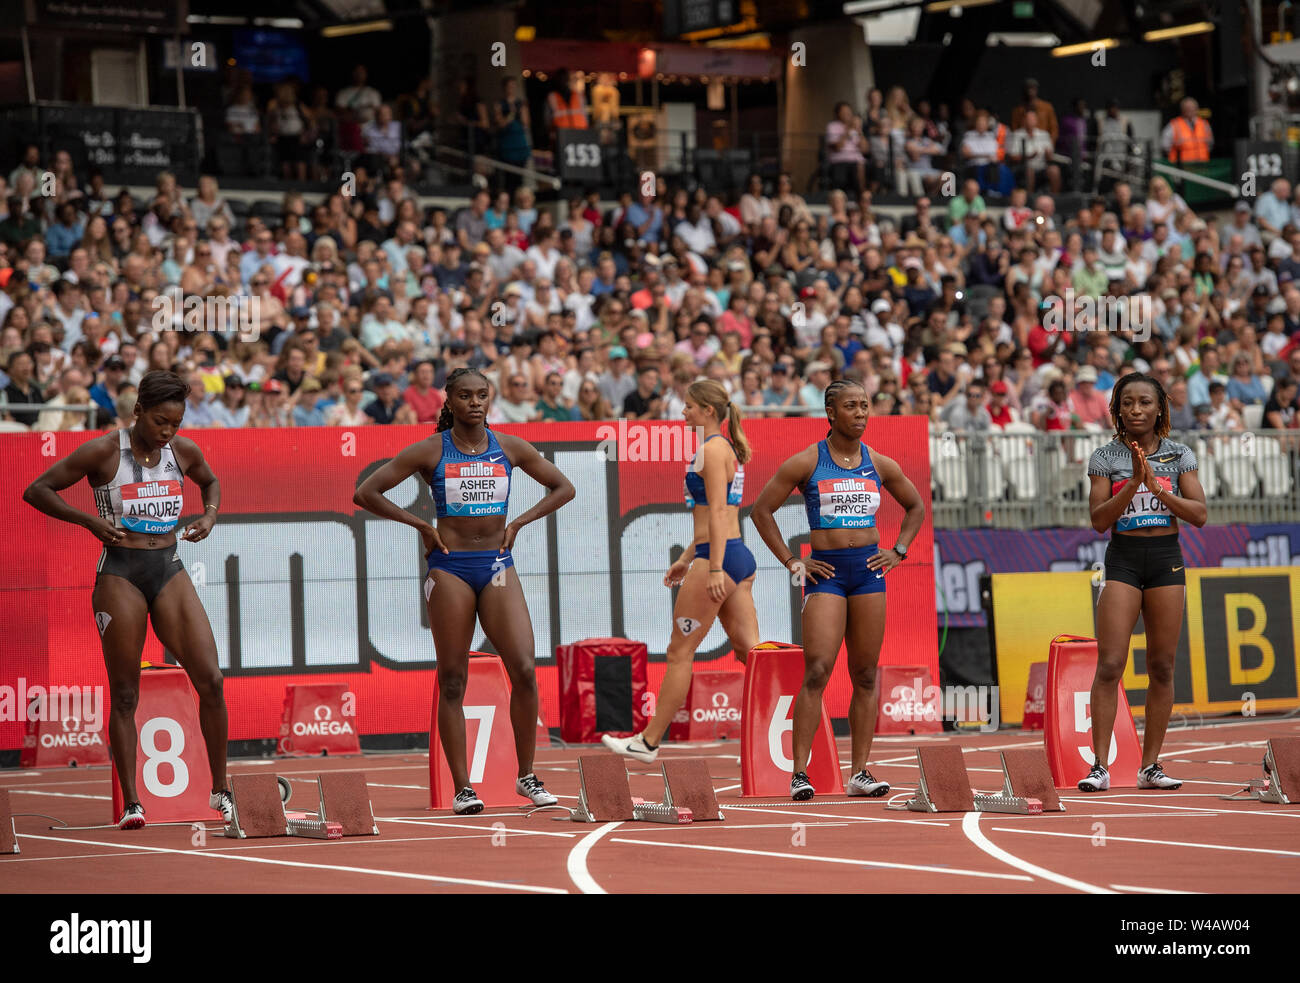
(1162, 420)
(161, 386)
(832, 393)
(445, 418)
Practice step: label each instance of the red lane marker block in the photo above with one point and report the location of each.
(1071, 664)
(602, 689)
(1035, 697)
(172, 776)
(713, 708)
(773, 677)
(319, 717)
(907, 701)
(489, 739)
(59, 743)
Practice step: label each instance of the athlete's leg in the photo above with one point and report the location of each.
(823, 632)
(504, 615)
(693, 616)
(740, 620)
(864, 634)
(1162, 614)
(182, 626)
(122, 614)
(1117, 614)
(452, 608)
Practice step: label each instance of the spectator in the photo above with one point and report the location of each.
(230, 409)
(591, 404)
(514, 405)
(22, 387)
(349, 412)
(1280, 410)
(566, 107)
(105, 393)
(552, 406)
(513, 124)
(967, 415)
(844, 149)
(382, 136)
(1223, 416)
(1001, 412)
(645, 401)
(1181, 414)
(780, 392)
(1031, 149)
(618, 380)
(1187, 139)
(421, 395)
(1086, 403)
(242, 116)
(1051, 410)
(356, 105)
(288, 123)
(383, 408)
(1043, 109)
(1244, 386)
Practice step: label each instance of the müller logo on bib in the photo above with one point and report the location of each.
(151, 506)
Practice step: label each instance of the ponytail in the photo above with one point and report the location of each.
(736, 433)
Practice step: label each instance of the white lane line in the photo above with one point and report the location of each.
(82, 856)
(957, 871)
(57, 795)
(399, 874)
(970, 825)
(1150, 890)
(490, 830)
(1209, 812)
(1141, 839)
(836, 815)
(576, 864)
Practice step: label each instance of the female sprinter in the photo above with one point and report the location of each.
(843, 579)
(471, 571)
(137, 474)
(1133, 480)
(717, 578)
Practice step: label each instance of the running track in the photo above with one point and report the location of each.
(1123, 841)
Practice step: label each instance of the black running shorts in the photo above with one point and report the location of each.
(1145, 561)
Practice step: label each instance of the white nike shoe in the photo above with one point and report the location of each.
(631, 747)
(1098, 780)
(466, 803)
(863, 784)
(1153, 776)
(531, 788)
(223, 803)
(132, 817)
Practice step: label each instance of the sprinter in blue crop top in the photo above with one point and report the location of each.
(471, 571)
(717, 576)
(844, 577)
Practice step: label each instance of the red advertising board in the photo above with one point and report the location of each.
(303, 587)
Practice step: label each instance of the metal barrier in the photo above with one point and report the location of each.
(1029, 479)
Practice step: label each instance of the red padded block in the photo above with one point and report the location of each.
(171, 762)
(319, 717)
(489, 739)
(58, 743)
(1071, 665)
(1035, 697)
(585, 688)
(712, 708)
(907, 701)
(773, 677)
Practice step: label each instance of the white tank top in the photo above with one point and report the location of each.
(139, 499)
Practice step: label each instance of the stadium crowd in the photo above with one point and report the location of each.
(351, 309)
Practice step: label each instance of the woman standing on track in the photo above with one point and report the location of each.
(1133, 479)
(843, 579)
(468, 468)
(137, 475)
(717, 577)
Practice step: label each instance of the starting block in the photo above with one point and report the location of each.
(345, 799)
(261, 801)
(1281, 766)
(259, 808)
(8, 832)
(604, 795)
(603, 792)
(944, 785)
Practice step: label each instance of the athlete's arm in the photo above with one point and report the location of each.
(559, 489)
(714, 473)
(1191, 507)
(1104, 509)
(195, 467)
(90, 458)
(411, 460)
(794, 472)
(905, 494)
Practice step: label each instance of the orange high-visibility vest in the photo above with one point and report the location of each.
(569, 112)
(1002, 143)
(1191, 143)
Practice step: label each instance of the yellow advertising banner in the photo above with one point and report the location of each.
(1236, 653)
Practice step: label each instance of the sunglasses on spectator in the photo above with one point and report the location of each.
(353, 392)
